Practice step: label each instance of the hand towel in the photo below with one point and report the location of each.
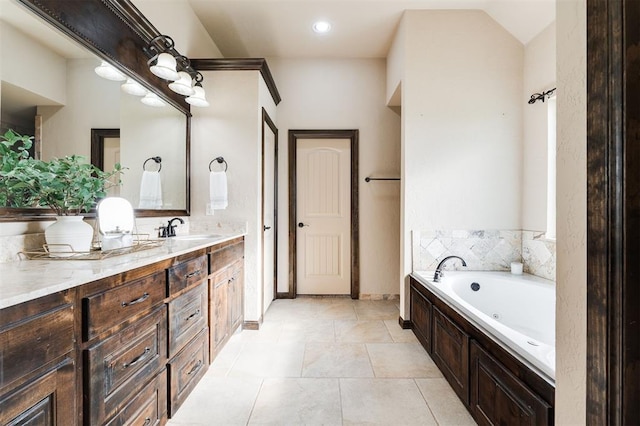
(150, 191)
(218, 190)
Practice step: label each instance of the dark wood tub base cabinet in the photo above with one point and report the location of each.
(496, 387)
(123, 350)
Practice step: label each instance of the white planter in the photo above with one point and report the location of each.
(68, 234)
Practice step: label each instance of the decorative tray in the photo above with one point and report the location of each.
(96, 253)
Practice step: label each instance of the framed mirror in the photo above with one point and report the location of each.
(53, 92)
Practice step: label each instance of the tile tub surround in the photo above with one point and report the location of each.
(486, 250)
(360, 370)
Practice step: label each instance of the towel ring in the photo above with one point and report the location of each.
(158, 160)
(220, 160)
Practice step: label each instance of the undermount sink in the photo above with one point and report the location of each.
(195, 237)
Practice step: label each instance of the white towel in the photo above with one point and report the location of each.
(150, 191)
(218, 190)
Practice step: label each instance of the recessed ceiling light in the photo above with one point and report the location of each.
(321, 27)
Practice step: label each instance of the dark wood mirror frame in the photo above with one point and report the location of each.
(116, 31)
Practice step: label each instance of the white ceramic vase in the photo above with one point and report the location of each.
(68, 234)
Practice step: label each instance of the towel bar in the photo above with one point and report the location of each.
(158, 160)
(220, 160)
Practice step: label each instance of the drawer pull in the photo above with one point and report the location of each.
(147, 421)
(195, 368)
(142, 298)
(193, 274)
(192, 315)
(138, 359)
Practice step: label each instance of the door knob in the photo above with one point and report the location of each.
(265, 227)
(302, 225)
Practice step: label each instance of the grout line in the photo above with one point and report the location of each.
(425, 400)
(340, 396)
(253, 406)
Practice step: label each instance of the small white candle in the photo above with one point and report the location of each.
(516, 268)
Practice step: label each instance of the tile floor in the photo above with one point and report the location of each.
(330, 361)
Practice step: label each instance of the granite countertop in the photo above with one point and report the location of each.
(30, 279)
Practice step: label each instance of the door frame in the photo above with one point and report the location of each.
(268, 122)
(353, 136)
(613, 225)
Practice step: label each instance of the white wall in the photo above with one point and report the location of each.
(231, 128)
(571, 289)
(346, 94)
(539, 76)
(462, 125)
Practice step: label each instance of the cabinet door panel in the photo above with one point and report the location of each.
(451, 353)
(499, 398)
(30, 344)
(218, 309)
(49, 399)
(148, 408)
(236, 300)
(114, 306)
(187, 274)
(421, 322)
(117, 367)
(188, 316)
(186, 369)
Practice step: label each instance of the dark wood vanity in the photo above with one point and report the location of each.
(122, 350)
(494, 386)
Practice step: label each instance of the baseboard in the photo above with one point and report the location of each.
(252, 325)
(364, 296)
(405, 324)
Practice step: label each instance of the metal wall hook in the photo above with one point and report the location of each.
(157, 160)
(220, 160)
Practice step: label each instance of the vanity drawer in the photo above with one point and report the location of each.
(225, 256)
(116, 367)
(30, 344)
(186, 370)
(116, 305)
(187, 317)
(185, 274)
(148, 408)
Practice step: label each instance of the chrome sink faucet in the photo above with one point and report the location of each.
(439, 273)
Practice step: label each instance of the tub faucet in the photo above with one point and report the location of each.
(439, 273)
(171, 228)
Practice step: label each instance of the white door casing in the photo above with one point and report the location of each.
(323, 176)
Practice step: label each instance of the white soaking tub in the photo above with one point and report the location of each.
(517, 311)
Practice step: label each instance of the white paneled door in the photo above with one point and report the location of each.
(323, 210)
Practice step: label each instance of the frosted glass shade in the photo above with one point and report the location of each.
(132, 87)
(197, 99)
(165, 67)
(151, 99)
(108, 71)
(183, 85)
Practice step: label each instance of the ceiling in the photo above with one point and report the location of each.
(360, 28)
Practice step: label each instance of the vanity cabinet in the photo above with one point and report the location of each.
(226, 286)
(496, 388)
(38, 362)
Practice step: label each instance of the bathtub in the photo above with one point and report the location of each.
(517, 311)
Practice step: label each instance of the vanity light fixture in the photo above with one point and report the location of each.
(321, 27)
(132, 87)
(108, 71)
(151, 99)
(167, 63)
(183, 85)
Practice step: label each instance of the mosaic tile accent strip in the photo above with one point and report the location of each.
(483, 250)
(539, 255)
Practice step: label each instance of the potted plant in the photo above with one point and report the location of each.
(69, 186)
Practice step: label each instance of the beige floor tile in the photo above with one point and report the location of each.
(361, 331)
(398, 360)
(269, 359)
(335, 311)
(377, 310)
(289, 309)
(218, 401)
(336, 360)
(398, 334)
(269, 331)
(311, 330)
(444, 403)
(383, 402)
(298, 402)
(227, 357)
